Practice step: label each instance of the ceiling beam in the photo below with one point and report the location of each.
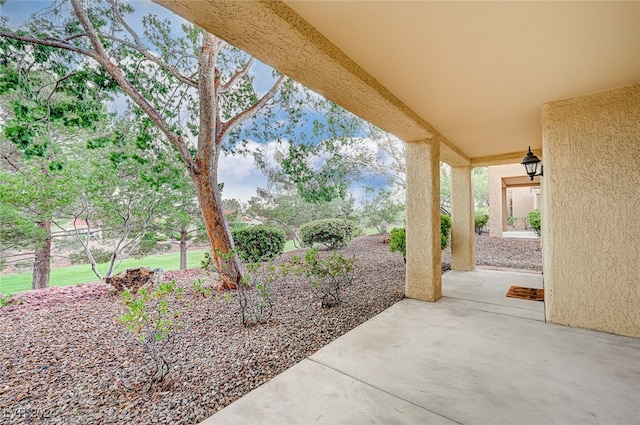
(508, 158)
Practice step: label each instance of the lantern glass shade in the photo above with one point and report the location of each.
(530, 163)
(531, 167)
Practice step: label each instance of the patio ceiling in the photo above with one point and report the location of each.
(474, 75)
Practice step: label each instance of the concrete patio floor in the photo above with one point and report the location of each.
(520, 234)
(474, 357)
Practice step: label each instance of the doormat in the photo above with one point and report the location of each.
(533, 294)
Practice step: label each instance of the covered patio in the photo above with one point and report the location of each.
(475, 357)
(474, 84)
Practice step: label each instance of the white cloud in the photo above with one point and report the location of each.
(240, 174)
(235, 167)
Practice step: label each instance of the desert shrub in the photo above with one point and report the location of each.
(254, 292)
(533, 218)
(327, 277)
(259, 243)
(445, 230)
(511, 220)
(154, 318)
(398, 242)
(333, 233)
(100, 255)
(480, 220)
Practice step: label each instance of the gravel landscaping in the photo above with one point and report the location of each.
(66, 360)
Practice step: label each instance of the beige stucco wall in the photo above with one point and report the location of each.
(591, 204)
(498, 196)
(520, 201)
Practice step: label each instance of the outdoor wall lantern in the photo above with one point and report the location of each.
(530, 163)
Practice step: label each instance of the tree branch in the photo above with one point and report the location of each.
(158, 61)
(238, 75)
(140, 47)
(49, 42)
(253, 110)
(55, 87)
(100, 55)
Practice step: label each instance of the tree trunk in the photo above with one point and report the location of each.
(42, 260)
(183, 249)
(215, 221)
(204, 176)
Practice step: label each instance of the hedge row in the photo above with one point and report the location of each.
(398, 241)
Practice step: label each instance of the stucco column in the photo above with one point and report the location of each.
(424, 270)
(496, 202)
(505, 209)
(462, 223)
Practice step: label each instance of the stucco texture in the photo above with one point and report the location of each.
(424, 269)
(591, 207)
(462, 232)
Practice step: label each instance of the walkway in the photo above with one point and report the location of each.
(475, 357)
(520, 234)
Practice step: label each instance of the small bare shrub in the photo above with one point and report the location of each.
(155, 319)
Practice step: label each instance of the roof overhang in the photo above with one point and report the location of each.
(471, 75)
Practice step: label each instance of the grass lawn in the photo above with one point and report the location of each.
(65, 276)
(73, 275)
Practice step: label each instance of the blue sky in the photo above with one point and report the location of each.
(239, 174)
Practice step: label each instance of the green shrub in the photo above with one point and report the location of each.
(480, 221)
(445, 230)
(327, 277)
(511, 220)
(259, 243)
(333, 233)
(398, 241)
(533, 218)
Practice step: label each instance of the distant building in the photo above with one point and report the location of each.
(81, 225)
(511, 194)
